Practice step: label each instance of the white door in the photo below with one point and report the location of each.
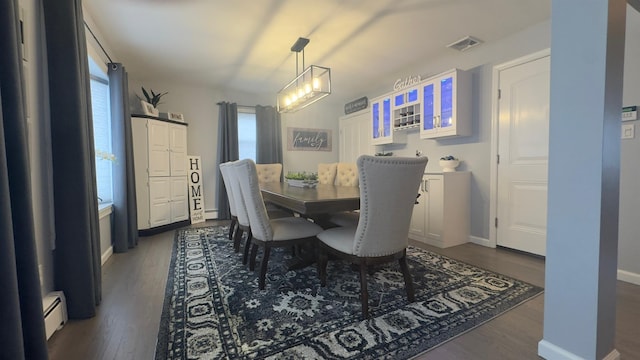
(523, 148)
(355, 139)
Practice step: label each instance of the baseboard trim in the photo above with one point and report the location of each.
(106, 255)
(629, 277)
(550, 351)
(210, 214)
(481, 241)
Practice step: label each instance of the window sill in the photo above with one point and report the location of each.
(104, 210)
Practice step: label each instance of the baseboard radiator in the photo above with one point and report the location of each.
(54, 307)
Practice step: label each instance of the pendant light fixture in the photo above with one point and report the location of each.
(307, 87)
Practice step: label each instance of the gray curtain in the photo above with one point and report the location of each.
(227, 151)
(269, 143)
(125, 217)
(21, 319)
(77, 253)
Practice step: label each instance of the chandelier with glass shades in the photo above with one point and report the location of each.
(307, 87)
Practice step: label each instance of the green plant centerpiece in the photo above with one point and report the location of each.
(302, 179)
(151, 97)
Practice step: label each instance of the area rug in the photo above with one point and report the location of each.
(214, 310)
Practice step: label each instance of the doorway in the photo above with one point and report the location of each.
(520, 143)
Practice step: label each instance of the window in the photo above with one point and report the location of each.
(247, 133)
(100, 106)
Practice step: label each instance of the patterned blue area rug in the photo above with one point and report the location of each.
(214, 310)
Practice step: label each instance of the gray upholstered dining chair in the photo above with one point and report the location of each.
(388, 188)
(241, 211)
(233, 227)
(268, 233)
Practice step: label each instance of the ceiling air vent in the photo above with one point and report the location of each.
(465, 43)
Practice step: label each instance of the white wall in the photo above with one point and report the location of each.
(321, 115)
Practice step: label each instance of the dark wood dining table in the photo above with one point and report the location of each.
(312, 202)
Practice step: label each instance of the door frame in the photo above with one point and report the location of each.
(493, 191)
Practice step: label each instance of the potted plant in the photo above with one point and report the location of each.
(151, 101)
(301, 179)
(449, 163)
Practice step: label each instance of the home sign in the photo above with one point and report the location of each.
(196, 198)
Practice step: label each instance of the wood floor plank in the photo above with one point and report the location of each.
(126, 325)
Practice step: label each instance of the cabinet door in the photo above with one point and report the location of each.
(179, 199)
(434, 185)
(178, 149)
(159, 201)
(428, 109)
(447, 106)
(158, 137)
(447, 116)
(418, 217)
(382, 132)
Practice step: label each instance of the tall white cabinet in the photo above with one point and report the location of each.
(160, 156)
(441, 217)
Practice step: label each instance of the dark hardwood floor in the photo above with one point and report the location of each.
(126, 324)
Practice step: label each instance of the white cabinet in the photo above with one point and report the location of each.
(407, 108)
(354, 136)
(446, 105)
(441, 217)
(381, 123)
(160, 156)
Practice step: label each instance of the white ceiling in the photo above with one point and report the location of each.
(245, 44)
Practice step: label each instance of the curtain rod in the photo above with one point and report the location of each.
(98, 41)
(238, 105)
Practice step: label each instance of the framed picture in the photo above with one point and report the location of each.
(172, 116)
(299, 139)
(148, 109)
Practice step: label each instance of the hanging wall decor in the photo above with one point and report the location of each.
(299, 139)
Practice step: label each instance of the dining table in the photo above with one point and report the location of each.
(313, 202)
(316, 203)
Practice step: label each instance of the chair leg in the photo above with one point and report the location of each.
(232, 228)
(408, 283)
(263, 267)
(364, 293)
(323, 258)
(236, 240)
(247, 245)
(252, 259)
